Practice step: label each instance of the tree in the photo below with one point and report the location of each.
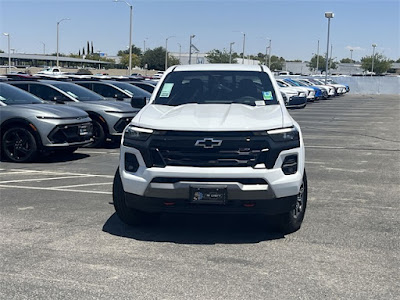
(398, 61)
(1, 51)
(277, 63)
(346, 61)
(79, 53)
(216, 56)
(135, 50)
(381, 63)
(155, 59)
(88, 49)
(83, 51)
(92, 48)
(312, 65)
(125, 60)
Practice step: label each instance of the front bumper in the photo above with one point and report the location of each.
(242, 183)
(159, 205)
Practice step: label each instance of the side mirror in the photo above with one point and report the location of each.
(59, 99)
(138, 102)
(118, 97)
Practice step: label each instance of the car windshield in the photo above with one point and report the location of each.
(132, 90)
(11, 95)
(216, 87)
(78, 92)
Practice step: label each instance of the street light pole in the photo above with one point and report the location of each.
(244, 42)
(180, 52)
(351, 55)
(166, 51)
(9, 51)
(373, 57)
(44, 48)
(230, 51)
(269, 56)
(190, 49)
(130, 34)
(58, 26)
(329, 16)
(318, 57)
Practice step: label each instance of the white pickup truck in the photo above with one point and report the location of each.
(213, 139)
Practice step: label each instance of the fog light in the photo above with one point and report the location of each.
(289, 165)
(131, 162)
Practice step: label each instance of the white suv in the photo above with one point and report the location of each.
(213, 139)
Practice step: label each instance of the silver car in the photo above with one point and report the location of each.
(109, 117)
(28, 126)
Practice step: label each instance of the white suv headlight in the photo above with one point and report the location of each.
(137, 133)
(284, 134)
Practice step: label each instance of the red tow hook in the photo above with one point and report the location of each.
(169, 203)
(249, 204)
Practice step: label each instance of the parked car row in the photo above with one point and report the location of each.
(63, 112)
(39, 115)
(297, 91)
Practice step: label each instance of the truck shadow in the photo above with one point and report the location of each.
(197, 229)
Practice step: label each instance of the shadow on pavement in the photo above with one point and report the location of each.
(60, 157)
(197, 229)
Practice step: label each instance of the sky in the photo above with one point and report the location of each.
(294, 27)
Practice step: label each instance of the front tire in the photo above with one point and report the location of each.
(291, 221)
(128, 215)
(19, 145)
(99, 135)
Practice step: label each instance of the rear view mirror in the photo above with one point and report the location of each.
(138, 102)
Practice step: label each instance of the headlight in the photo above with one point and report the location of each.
(48, 118)
(137, 133)
(301, 94)
(284, 134)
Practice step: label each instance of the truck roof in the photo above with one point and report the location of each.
(219, 67)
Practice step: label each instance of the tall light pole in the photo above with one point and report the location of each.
(373, 57)
(58, 26)
(44, 47)
(330, 59)
(130, 34)
(351, 55)
(269, 56)
(329, 16)
(166, 51)
(190, 49)
(244, 43)
(318, 57)
(144, 45)
(230, 51)
(9, 51)
(180, 52)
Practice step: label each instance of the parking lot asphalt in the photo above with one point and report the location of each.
(60, 238)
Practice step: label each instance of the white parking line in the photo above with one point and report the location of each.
(76, 185)
(43, 179)
(54, 189)
(59, 173)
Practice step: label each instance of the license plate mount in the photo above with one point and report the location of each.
(208, 195)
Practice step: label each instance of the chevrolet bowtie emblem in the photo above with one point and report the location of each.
(208, 143)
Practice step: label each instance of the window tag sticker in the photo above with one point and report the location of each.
(267, 95)
(72, 95)
(260, 103)
(166, 91)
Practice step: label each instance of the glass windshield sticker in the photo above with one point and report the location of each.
(72, 95)
(260, 103)
(267, 95)
(166, 91)
(128, 92)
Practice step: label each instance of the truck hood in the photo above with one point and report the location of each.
(210, 117)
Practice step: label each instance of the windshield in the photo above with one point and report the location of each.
(11, 95)
(216, 87)
(132, 90)
(78, 92)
